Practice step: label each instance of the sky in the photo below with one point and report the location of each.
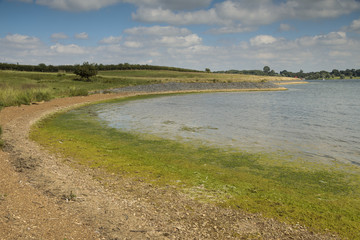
(292, 35)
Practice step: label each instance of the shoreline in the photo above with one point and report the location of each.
(100, 211)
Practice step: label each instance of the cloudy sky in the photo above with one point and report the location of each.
(311, 35)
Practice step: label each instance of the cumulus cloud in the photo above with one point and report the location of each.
(160, 15)
(162, 36)
(20, 41)
(111, 40)
(187, 41)
(239, 28)
(158, 30)
(133, 44)
(58, 36)
(68, 49)
(285, 27)
(175, 46)
(242, 15)
(354, 27)
(89, 5)
(77, 5)
(82, 35)
(262, 40)
(172, 4)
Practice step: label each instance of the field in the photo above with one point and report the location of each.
(18, 88)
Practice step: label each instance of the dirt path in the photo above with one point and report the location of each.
(42, 197)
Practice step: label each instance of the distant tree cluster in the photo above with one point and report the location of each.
(99, 67)
(265, 72)
(342, 74)
(348, 73)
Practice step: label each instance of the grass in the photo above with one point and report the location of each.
(320, 197)
(18, 88)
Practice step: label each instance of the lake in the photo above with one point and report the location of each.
(319, 121)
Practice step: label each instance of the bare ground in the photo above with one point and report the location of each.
(43, 196)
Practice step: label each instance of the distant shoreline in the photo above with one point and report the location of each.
(197, 87)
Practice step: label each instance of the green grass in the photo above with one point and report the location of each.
(318, 196)
(18, 88)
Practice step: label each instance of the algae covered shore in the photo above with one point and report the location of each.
(321, 197)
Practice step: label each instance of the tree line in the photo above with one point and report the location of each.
(99, 67)
(335, 73)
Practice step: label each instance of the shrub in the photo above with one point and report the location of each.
(86, 71)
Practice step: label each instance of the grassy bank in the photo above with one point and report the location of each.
(18, 88)
(320, 197)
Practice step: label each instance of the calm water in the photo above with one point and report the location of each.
(319, 121)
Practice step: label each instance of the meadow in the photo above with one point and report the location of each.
(18, 88)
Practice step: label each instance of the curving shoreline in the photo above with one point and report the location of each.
(131, 210)
(180, 87)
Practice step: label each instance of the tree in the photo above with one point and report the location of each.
(207, 70)
(335, 72)
(86, 71)
(266, 69)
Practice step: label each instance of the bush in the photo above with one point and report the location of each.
(86, 71)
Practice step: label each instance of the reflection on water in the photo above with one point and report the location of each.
(320, 120)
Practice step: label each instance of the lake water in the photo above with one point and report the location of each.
(319, 121)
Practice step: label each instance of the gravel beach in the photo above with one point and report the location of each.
(177, 86)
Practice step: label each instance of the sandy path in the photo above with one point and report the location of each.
(35, 188)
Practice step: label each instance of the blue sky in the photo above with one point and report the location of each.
(311, 35)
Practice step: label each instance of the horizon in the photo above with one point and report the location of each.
(220, 35)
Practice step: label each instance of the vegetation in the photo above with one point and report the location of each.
(320, 197)
(100, 67)
(86, 71)
(18, 87)
(334, 74)
(267, 71)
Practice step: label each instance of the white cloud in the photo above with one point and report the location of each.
(243, 15)
(58, 36)
(355, 26)
(133, 44)
(158, 15)
(173, 46)
(231, 29)
(77, 5)
(89, 5)
(285, 27)
(187, 41)
(172, 4)
(158, 30)
(262, 40)
(82, 35)
(68, 49)
(20, 41)
(111, 40)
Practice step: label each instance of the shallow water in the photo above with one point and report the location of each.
(319, 121)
